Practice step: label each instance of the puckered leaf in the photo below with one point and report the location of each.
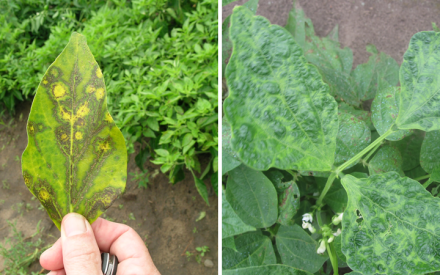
(398, 233)
(252, 196)
(253, 249)
(280, 111)
(379, 65)
(385, 108)
(273, 269)
(229, 160)
(353, 136)
(386, 159)
(76, 159)
(232, 224)
(419, 106)
(409, 148)
(298, 249)
(363, 115)
(430, 152)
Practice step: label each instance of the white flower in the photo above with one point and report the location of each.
(306, 225)
(331, 239)
(337, 219)
(321, 248)
(307, 217)
(337, 233)
(312, 229)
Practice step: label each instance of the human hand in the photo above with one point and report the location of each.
(77, 252)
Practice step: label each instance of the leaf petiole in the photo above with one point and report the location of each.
(423, 177)
(327, 186)
(365, 160)
(333, 258)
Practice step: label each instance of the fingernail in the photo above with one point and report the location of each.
(74, 224)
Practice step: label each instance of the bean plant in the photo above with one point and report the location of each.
(314, 178)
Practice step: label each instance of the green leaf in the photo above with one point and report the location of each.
(227, 2)
(379, 65)
(214, 182)
(288, 203)
(253, 249)
(76, 159)
(280, 112)
(359, 114)
(252, 5)
(430, 152)
(385, 108)
(231, 223)
(274, 269)
(201, 188)
(296, 25)
(229, 243)
(415, 173)
(399, 230)
(252, 196)
(420, 83)
(353, 136)
(386, 159)
(409, 149)
(337, 244)
(229, 162)
(336, 197)
(298, 249)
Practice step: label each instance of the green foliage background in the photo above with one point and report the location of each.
(158, 57)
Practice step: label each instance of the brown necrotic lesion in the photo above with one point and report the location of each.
(46, 195)
(100, 201)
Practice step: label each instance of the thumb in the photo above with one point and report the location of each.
(80, 252)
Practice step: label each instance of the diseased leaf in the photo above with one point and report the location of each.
(363, 115)
(298, 249)
(430, 152)
(385, 108)
(274, 269)
(409, 149)
(386, 159)
(280, 112)
(420, 83)
(76, 159)
(252, 5)
(353, 136)
(232, 224)
(288, 203)
(229, 243)
(399, 230)
(253, 249)
(229, 160)
(252, 196)
(379, 65)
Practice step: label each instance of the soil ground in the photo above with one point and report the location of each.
(165, 215)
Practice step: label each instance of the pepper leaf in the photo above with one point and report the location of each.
(76, 159)
(420, 81)
(390, 226)
(280, 110)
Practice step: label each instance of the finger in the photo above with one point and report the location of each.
(80, 252)
(116, 238)
(52, 259)
(57, 272)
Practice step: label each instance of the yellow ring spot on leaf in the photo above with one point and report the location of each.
(45, 81)
(43, 195)
(104, 146)
(78, 135)
(65, 115)
(108, 118)
(98, 73)
(90, 89)
(83, 110)
(59, 89)
(54, 72)
(64, 137)
(99, 93)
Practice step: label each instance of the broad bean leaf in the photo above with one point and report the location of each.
(353, 136)
(420, 84)
(399, 230)
(280, 111)
(253, 249)
(229, 242)
(298, 249)
(252, 196)
(385, 109)
(252, 5)
(430, 152)
(386, 159)
(409, 149)
(76, 159)
(359, 114)
(379, 65)
(231, 223)
(273, 269)
(229, 159)
(288, 203)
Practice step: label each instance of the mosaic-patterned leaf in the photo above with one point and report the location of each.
(409, 148)
(76, 159)
(419, 106)
(280, 110)
(390, 226)
(386, 159)
(430, 152)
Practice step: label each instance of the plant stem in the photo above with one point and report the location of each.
(328, 184)
(333, 258)
(423, 177)
(318, 218)
(292, 173)
(363, 152)
(372, 152)
(427, 183)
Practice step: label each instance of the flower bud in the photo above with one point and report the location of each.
(312, 229)
(321, 248)
(337, 233)
(331, 239)
(337, 219)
